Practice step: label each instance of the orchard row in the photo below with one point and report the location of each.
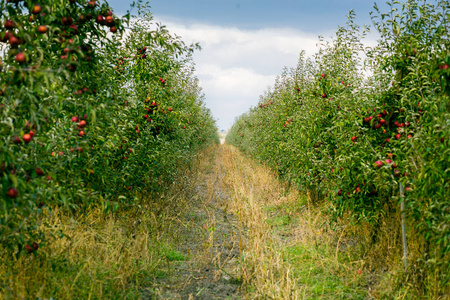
(90, 112)
(351, 131)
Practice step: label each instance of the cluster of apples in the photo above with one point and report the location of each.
(81, 124)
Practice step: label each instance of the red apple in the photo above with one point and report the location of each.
(36, 9)
(339, 192)
(81, 133)
(27, 138)
(378, 163)
(39, 172)
(82, 123)
(74, 119)
(42, 29)
(67, 21)
(29, 248)
(109, 20)
(13, 193)
(397, 136)
(14, 41)
(99, 19)
(20, 58)
(354, 138)
(35, 246)
(9, 24)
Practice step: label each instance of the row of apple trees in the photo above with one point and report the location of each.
(94, 108)
(350, 130)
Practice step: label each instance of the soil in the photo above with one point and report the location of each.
(210, 241)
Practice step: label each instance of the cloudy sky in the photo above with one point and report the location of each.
(246, 43)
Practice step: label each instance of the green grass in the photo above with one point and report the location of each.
(319, 281)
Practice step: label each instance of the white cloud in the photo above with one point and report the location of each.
(236, 66)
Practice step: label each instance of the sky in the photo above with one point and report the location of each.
(247, 43)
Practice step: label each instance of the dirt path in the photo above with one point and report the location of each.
(210, 240)
(244, 235)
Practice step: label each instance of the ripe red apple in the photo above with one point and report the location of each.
(74, 119)
(29, 248)
(382, 121)
(67, 21)
(27, 138)
(324, 95)
(13, 193)
(92, 4)
(109, 20)
(113, 29)
(14, 41)
(394, 165)
(377, 126)
(35, 246)
(354, 138)
(21, 58)
(42, 29)
(397, 136)
(81, 133)
(82, 123)
(357, 189)
(9, 24)
(99, 19)
(388, 161)
(378, 163)
(74, 28)
(36, 9)
(39, 172)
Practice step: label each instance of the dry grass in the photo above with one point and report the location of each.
(251, 187)
(291, 252)
(287, 249)
(101, 255)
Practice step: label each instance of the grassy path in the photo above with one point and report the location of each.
(228, 229)
(247, 237)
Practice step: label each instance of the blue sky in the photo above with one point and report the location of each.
(247, 43)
